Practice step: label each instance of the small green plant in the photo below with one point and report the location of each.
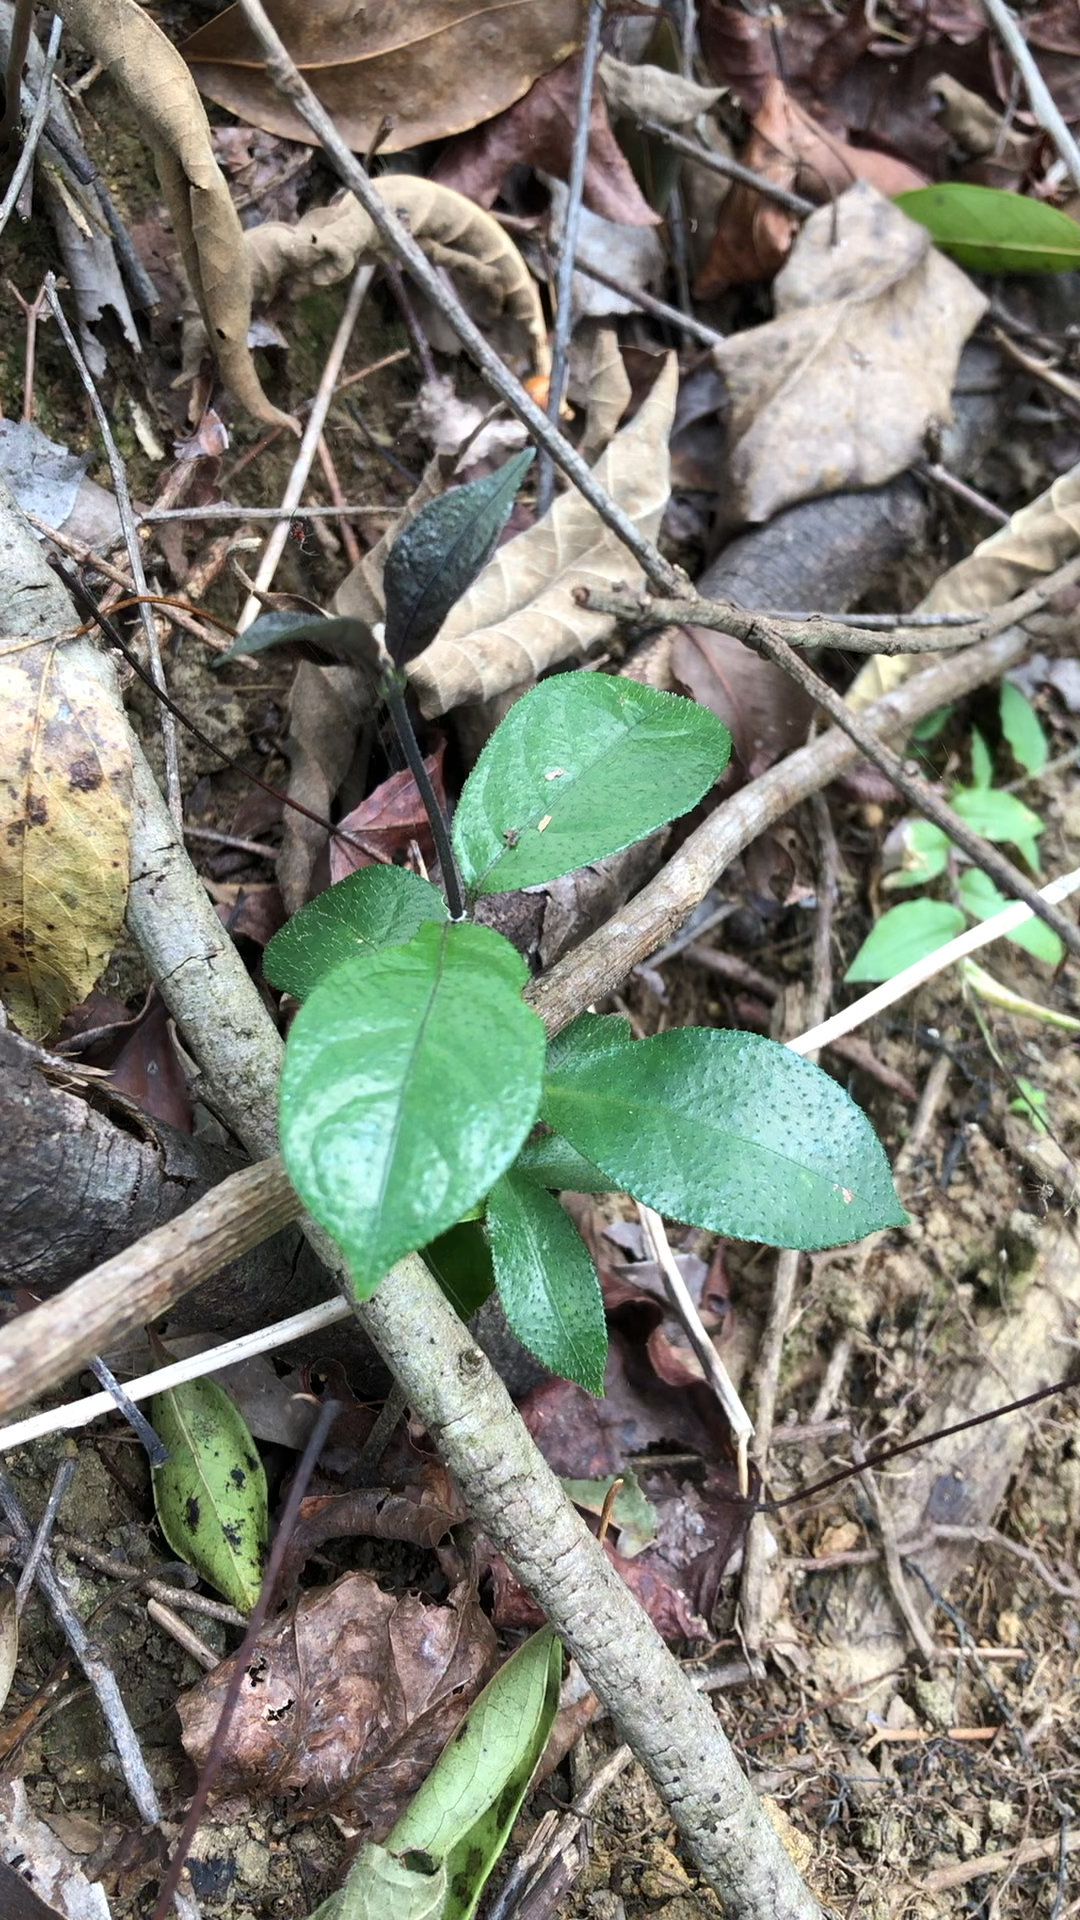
(912, 931)
(419, 1088)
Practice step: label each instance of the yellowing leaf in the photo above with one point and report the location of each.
(65, 810)
(432, 70)
(520, 617)
(156, 85)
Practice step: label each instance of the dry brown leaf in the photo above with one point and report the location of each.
(538, 131)
(839, 390)
(387, 826)
(607, 392)
(65, 812)
(329, 242)
(326, 710)
(348, 1699)
(433, 70)
(154, 82)
(789, 147)
(520, 617)
(652, 93)
(766, 715)
(1038, 539)
(739, 51)
(9, 1638)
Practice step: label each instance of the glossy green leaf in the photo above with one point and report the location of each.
(590, 1033)
(633, 1515)
(210, 1494)
(582, 765)
(982, 765)
(440, 552)
(463, 1814)
(461, 1262)
(411, 1080)
(925, 854)
(547, 1282)
(728, 1131)
(904, 935)
(1023, 729)
(339, 637)
(550, 1161)
(990, 231)
(997, 816)
(374, 908)
(982, 899)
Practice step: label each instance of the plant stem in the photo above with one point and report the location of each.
(440, 831)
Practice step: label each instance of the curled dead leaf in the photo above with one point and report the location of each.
(432, 70)
(520, 616)
(153, 80)
(839, 389)
(65, 812)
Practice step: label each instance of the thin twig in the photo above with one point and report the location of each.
(1041, 100)
(564, 284)
(65, 1474)
(369, 1459)
(19, 46)
(730, 169)
(659, 309)
(283, 72)
(173, 1596)
(898, 1586)
(38, 117)
(316, 420)
(134, 552)
(101, 1678)
(155, 515)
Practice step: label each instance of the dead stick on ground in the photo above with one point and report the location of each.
(1041, 100)
(39, 1349)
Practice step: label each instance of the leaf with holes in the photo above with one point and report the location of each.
(374, 908)
(728, 1131)
(412, 1078)
(210, 1495)
(547, 1282)
(582, 766)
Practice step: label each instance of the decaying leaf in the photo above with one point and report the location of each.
(210, 1494)
(389, 823)
(520, 617)
(787, 146)
(653, 93)
(326, 709)
(839, 389)
(766, 714)
(432, 70)
(329, 242)
(607, 391)
(538, 131)
(65, 811)
(154, 82)
(1042, 536)
(9, 1638)
(348, 1699)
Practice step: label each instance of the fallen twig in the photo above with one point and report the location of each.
(1040, 98)
(702, 156)
(41, 108)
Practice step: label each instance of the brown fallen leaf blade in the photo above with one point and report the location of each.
(520, 617)
(432, 70)
(65, 812)
(153, 80)
(348, 1699)
(538, 131)
(839, 389)
(766, 715)
(389, 822)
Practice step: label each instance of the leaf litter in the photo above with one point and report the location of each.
(821, 101)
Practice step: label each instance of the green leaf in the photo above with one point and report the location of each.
(997, 815)
(928, 728)
(374, 908)
(989, 231)
(903, 936)
(582, 765)
(1030, 1104)
(631, 1512)
(210, 1494)
(464, 1812)
(461, 1263)
(590, 1033)
(731, 1132)
(411, 1080)
(924, 852)
(982, 899)
(439, 553)
(547, 1282)
(1023, 730)
(982, 765)
(388, 1886)
(341, 637)
(550, 1161)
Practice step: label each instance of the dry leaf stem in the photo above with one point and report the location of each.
(292, 85)
(564, 283)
